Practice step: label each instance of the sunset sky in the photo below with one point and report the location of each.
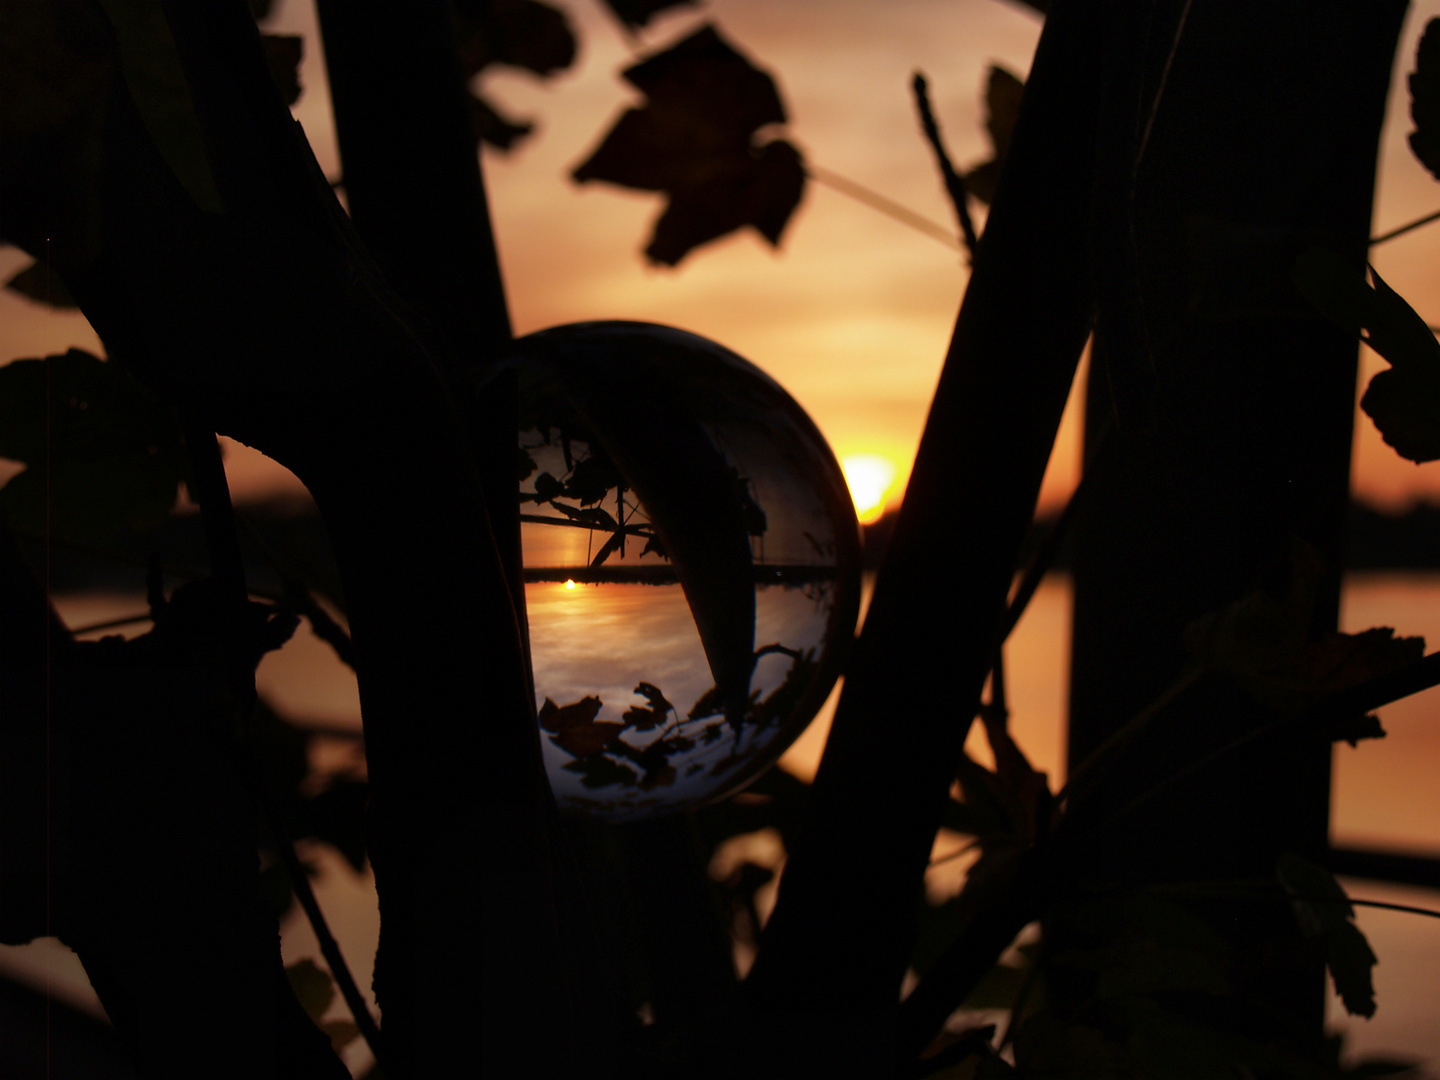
(853, 314)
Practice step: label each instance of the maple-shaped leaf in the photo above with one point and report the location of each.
(694, 139)
(1262, 642)
(635, 14)
(599, 771)
(1003, 91)
(1322, 910)
(1425, 99)
(517, 33)
(1404, 401)
(557, 718)
(647, 718)
(582, 740)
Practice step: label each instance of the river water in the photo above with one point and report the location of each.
(1385, 793)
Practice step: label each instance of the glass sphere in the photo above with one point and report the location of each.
(692, 565)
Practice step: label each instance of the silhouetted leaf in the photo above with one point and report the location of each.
(1003, 91)
(592, 479)
(1357, 729)
(1425, 99)
(599, 771)
(694, 140)
(1261, 641)
(488, 124)
(517, 33)
(648, 718)
(634, 14)
(582, 740)
(313, 987)
(115, 454)
(713, 733)
(43, 286)
(556, 718)
(708, 704)
(1404, 401)
(661, 776)
(1351, 962)
(284, 52)
(1323, 910)
(524, 465)
(547, 487)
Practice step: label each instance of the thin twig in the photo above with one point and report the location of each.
(329, 947)
(1407, 908)
(111, 624)
(876, 201)
(954, 182)
(1183, 682)
(1403, 229)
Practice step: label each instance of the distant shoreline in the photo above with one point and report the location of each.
(1374, 540)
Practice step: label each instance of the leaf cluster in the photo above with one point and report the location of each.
(101, 452)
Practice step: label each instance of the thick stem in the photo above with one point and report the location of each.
(840, 936)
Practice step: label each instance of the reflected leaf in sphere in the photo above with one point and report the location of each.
(691, 565)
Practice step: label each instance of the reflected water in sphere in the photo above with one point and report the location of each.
(692, 565)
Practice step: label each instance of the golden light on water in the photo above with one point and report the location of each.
(871, 478)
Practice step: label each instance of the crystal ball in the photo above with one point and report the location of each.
(692, 565)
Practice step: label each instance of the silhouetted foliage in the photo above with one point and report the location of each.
(694, 139)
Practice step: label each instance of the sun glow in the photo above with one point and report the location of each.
(870, 478)
(569, 584)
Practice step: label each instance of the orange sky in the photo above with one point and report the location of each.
(854, 313)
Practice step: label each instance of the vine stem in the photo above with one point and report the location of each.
(954, 182)
(876, 201)
(1403, 229)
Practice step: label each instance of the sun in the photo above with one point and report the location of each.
(569, 584)
(870, 477)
